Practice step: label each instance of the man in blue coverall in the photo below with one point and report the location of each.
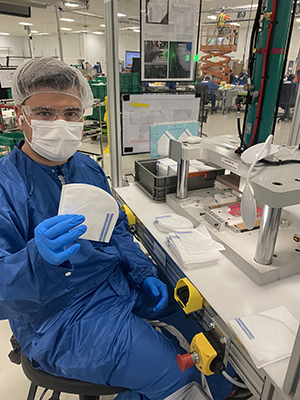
(75, 305)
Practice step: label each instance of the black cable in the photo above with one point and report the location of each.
(284, 64)
(251, 59)
(279, 162)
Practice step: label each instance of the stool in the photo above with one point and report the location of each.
(39, 378)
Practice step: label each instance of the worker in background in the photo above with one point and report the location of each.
(212, 87)
(76, 306)
(88, 76)
(241, 79)
(222, 17)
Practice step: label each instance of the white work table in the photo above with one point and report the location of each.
(225, 287)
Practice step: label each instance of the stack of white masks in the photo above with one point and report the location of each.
(168, 167)
(268, 336)
(194, 247)
(169, 222)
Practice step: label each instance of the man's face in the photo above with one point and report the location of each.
(58, 100)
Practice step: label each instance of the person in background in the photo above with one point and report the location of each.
(89, 76)
(212, 86)
(222, 17)
(77, 307)
(98, 68)
(241, 79)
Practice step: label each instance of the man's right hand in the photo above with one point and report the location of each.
(53, 234)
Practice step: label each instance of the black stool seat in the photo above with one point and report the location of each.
(64, 385)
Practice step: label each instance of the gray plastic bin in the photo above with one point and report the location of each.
(159, 186)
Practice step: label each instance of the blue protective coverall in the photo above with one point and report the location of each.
(81, 319)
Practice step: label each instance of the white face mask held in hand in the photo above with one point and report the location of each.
(55, 140)
(100, 209)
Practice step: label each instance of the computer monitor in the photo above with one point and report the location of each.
(129, 56)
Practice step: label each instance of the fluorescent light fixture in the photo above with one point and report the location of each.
(34, 31)
(298, 19)
(67, 19)
(66, 29)
(211, 17)
(71, 4)
(121, 15)
(103, 26)
(98, 33)
(25, 23)
(136, 30)
(4, 33)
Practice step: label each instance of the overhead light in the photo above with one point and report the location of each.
(66, 29)
(211, 17)
(136, 30)
(121, 15)
(34, 31)
(25, 23)
(234, 23)
(298, 19)
(98, 33)
(67, 19)
(4, 33)
(103, 26)
(71, 4)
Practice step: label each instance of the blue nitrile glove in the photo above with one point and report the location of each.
(52, 235)
(157, 290)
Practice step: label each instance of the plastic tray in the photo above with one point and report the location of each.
(159, 186)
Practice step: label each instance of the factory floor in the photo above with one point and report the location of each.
(13, 384)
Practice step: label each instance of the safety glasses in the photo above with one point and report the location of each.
(47, 113)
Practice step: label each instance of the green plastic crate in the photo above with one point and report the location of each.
(17, 136)
(135, 79)
(102, 79)
(7, 141)
(99, 91)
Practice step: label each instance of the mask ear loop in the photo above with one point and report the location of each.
(24, 117)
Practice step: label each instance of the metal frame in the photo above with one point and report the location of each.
(113, 90)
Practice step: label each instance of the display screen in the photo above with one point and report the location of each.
(129, 56)
(12, 9)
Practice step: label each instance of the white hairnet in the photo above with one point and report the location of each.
(48, 74)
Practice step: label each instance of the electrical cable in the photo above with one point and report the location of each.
(236, 383)
(251, 59)
(264, 71)
(279, 162)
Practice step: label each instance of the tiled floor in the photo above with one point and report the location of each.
(13, 384)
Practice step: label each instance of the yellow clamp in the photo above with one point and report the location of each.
(130, 216)
(187, 296)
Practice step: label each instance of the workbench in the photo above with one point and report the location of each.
(228, 294)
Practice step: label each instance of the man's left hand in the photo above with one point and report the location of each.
(156, 289)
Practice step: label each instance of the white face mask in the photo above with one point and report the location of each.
(55, 140)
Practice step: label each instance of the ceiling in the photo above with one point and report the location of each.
(89, 17)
